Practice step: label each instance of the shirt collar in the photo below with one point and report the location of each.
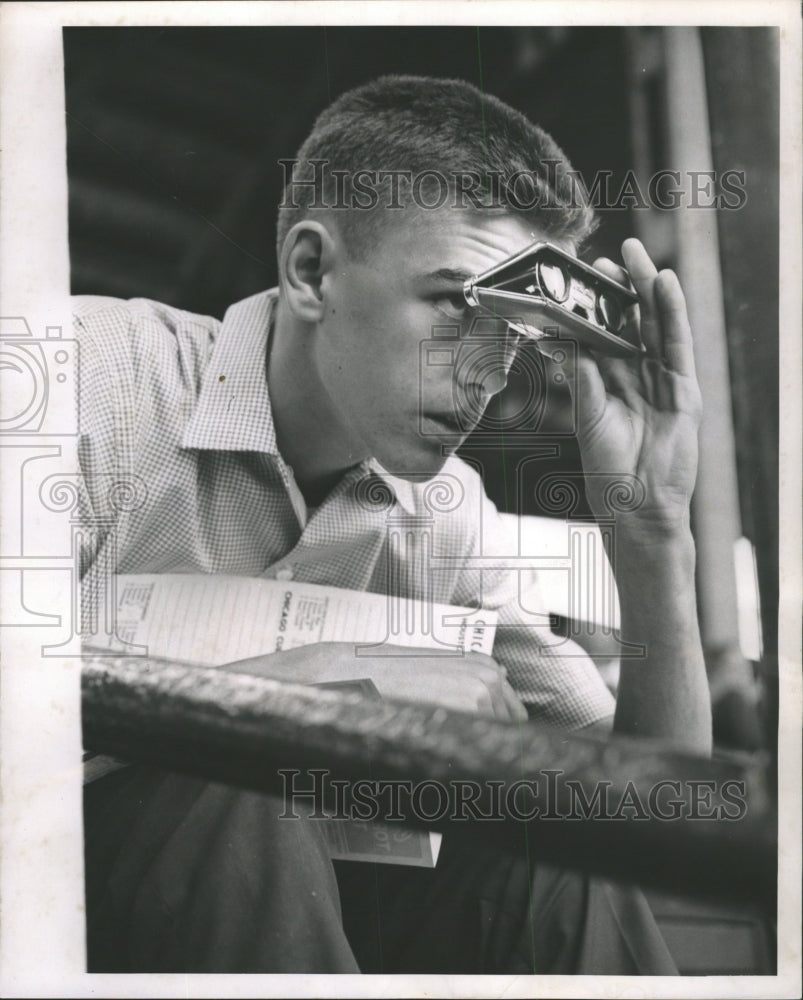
(233, 411)
(403, 490)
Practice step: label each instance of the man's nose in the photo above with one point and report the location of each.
(483, 369)
(495, 380)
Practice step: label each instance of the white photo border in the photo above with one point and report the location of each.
(41, 939)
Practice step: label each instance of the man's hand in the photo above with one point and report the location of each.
(639, 416)
(472, 682)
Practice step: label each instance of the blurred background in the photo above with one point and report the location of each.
(174, 138)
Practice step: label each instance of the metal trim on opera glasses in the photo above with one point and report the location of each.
(545, 292)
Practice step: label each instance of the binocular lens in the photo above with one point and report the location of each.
(553, 280)
(609, 313)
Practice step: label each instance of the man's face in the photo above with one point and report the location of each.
(380, 311)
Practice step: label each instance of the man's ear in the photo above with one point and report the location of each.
(308, 255)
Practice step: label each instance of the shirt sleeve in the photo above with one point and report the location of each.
(553, 676)
(102, 331)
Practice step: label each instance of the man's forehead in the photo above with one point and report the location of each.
(451, 243)
(457, 243)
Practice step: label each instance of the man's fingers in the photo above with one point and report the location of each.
(678, 351)
(642, 274)
(518, 713)
(583, 378)
(611, 270)
(640, 267)
(506, 706)
(504, 700)
(618, 273)
(664, 321)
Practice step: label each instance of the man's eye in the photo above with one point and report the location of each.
(454, 305)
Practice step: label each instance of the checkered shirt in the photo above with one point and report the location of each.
(182, 474)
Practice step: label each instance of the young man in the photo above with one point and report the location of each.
(259, 444)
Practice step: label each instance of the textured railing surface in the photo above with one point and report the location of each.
(243, 729)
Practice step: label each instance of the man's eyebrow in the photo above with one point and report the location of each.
(448, 274)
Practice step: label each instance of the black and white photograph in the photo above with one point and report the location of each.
(401, 529)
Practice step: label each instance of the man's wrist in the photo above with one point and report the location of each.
(653, 551)
(654, 531)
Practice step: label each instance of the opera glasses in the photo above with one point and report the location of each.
(545, 292)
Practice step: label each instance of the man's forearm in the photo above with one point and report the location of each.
(663, 694)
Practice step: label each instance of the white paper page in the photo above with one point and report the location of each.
(188, 618)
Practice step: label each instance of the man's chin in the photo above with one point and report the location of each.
(424, 464)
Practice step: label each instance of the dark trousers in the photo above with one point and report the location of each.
(184, 875)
